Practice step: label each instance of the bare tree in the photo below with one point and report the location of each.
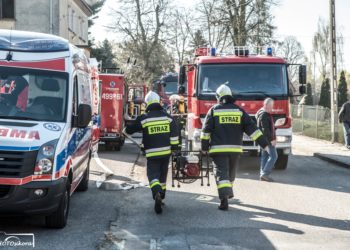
(214, 29)
(180, 34)
(321, 47)
(248, 21)
(141, 22)
(291, 50)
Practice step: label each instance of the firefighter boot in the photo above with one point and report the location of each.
(158, 203)
(224, 204)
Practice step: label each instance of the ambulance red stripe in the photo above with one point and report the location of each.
(56, 64)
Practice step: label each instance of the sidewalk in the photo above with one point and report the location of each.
(333, 153)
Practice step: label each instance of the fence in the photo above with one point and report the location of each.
(314, 121)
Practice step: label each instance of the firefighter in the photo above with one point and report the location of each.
(160, 137)
(222, 136)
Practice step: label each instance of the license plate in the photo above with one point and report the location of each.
(112, 135)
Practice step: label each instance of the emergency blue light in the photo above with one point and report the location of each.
(31, 42)
(213, 51)
(269, 51)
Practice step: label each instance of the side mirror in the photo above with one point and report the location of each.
(302, 74)
(182, 75)
(302, 89)
(84, 116)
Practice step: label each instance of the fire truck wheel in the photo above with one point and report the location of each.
(59, 218)
(108, 146)
(84, 183)
(282, 161)
(117, 147)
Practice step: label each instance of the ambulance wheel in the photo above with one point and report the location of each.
(84, 183)
(282, 161)
(59, 218)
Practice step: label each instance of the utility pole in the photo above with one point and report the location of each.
(333, 82)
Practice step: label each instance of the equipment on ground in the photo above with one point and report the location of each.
(190, 166)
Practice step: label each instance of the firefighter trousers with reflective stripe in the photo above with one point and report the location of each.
(157, 171)
(225, 173)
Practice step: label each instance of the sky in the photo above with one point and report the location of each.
(292, 17)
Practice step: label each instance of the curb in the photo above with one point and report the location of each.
(331, 160)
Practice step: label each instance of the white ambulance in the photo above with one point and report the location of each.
(45, 124)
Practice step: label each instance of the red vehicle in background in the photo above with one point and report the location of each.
(112, 107)
(166, 86)
(252, 78)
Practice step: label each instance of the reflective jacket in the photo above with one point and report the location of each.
(223, 129)
(160, 133)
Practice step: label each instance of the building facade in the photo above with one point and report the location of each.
(65, 18)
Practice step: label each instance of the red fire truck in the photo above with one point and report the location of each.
(112, 106)
(253, 78)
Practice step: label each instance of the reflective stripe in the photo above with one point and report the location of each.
(174, 142)
(157, 149)
(175, 138)
(224, 185)
(205, 136)
(227, 113)
(151, 102)
(161, 118)
(163, 186)
(154, 183)
(226, 146)
(227, 110)
(155, 123)
(167, 152)
(256, 135)
(226, 149)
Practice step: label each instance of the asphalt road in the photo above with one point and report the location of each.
(306, 208)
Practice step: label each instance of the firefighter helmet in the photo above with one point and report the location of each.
(152, 97)
(223, 90)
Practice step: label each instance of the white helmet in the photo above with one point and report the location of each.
(223, 90)
(152, 97)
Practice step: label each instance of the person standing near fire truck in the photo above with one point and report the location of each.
(160, 137)
(222, 135)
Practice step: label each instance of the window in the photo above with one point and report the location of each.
(70, 18)
(7, 9)
(28, 94)
(244, 79)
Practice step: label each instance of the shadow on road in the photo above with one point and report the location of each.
(194, 219)
(306, 171)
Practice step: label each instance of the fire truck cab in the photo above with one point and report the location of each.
(252, 78)
(45, 124)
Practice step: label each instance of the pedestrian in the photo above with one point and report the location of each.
(222, 136)
(267, 126)
(344, 117)
(160, 136)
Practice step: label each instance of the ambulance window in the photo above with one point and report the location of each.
(75, 96)
(84, 88)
